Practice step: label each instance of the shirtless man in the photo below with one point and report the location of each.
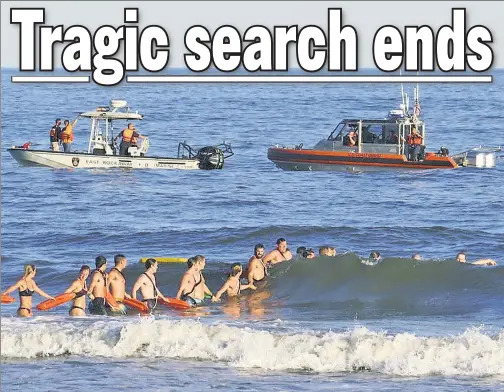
(233, 287)
(257, 271)
(280, 254)
(461, 258)
(97, 287)
(192, 286)
(147, 285)
(117, 280)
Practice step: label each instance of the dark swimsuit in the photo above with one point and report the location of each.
(151, 302)
(81, 293)
(186, 297)
(98, 304)
(25, 293)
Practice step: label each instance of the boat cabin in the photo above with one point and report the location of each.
(103, 132)
(386, 136)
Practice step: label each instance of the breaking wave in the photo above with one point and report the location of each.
(471, 353)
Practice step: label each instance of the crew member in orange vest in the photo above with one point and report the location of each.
(414, 141)
(129, 135)
(66, 135)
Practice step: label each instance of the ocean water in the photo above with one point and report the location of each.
(320, 324)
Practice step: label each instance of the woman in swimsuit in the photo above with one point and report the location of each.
(233, 286)
(27, 287)
(79, 287)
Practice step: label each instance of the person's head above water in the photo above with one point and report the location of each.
(259, 251)
(300, 250)
(461, 257)
(281, 244)
(236, 268)
(416, 256)
(375, 256)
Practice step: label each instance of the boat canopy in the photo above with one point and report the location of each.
(112, 115)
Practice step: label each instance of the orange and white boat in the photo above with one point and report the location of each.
(378, 144)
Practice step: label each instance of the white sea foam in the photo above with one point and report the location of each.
(471, 353)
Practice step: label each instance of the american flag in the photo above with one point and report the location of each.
(417, 109)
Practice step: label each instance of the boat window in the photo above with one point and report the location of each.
(372, 133)
(337, 134)
(391, 134)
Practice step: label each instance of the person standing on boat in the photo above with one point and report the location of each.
(414, 141)
(54, 135)
(280, 254)
(146, 283)
(128, 136)
(66, 135)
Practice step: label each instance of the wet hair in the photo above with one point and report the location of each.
(118, 258)
(198, 259)
(99, 261)
(58, 119)
(66, 122)
(300, 250)
(235, 269)
(258, 246)
(84, 268)
(460, 254)
(190, 262)
(323, 249)
(28, 269)
(374, 255)
(280, 240)
(149, 263)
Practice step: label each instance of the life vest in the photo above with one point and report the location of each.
(67, 134)
(414, 139)
(127, 135)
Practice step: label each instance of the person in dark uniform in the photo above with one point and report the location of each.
(54, 135)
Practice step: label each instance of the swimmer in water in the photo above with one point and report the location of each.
(461, 258)
(233, 287)
(280, 254)
(257, 270)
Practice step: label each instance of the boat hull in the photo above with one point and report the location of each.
(77, 160)
(319, 160)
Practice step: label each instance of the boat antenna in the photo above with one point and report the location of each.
(402, 90)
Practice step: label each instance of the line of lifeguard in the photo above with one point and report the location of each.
(107, 290)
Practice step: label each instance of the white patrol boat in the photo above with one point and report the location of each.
(102, 150)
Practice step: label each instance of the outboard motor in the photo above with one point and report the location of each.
(210, 158)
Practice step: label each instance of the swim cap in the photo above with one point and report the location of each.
(100, 261)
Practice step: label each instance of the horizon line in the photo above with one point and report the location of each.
(266, 79)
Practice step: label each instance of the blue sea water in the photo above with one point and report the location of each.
(320, 324)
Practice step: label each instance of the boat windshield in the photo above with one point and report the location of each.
(337, 134)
